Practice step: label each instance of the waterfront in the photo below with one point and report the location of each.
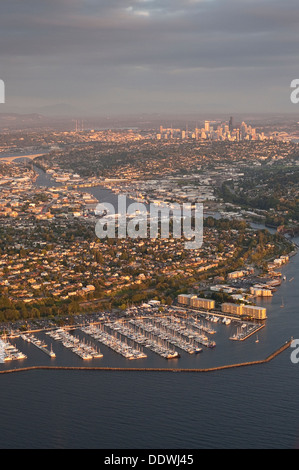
(254, 407)
(241, 408)
(282, 324)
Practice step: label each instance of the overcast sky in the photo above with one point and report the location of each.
(126, 56)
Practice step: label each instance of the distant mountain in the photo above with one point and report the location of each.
(34, 121)
(60, 109)
(57, 119)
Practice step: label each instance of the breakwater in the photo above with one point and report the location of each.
(133, 369)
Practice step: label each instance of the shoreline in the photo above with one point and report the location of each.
(201, 370)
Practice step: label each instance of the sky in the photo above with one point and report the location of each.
(102, 57)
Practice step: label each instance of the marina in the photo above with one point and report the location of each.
(162, 331)
(196, 323)
(78, 347)
(39, 344)
(171, 335)
(9, 353)
(192, 330)
(113, 342)
(228, 374)
(244, 332)
(159, 346)
(174, 331)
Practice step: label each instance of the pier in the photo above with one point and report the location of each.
(39, 344)
(191, 330)
(159, 346)
(9, 352)
(173, 333)
(243, 335)
(270, 358)
(114, 343)
(80, 348)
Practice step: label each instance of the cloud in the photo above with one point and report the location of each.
(157, 42)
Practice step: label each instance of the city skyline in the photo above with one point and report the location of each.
(149, 56)
(213, 130)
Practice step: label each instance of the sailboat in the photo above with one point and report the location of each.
(257, 340)
(282, 303)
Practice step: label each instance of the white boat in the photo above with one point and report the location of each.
(25, 338)
(20, 355)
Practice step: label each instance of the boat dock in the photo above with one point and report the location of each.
(9, 352)
(39, 344)
(114, 343)
(80, 348)
(159, 346)
(197, 324)
(188, 329)
(174, 331)
(245, 333)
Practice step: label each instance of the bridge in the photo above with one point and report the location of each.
(20, 157)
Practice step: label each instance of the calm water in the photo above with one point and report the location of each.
(255, 407)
